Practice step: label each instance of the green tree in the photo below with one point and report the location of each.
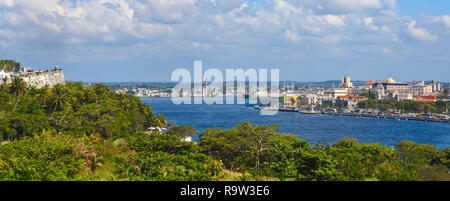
(163, 157)
(182, 131)
(18, 87)
(256, 139)
(42, 158)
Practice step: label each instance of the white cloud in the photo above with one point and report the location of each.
(291, 36)
(445, 19)
(334, 20)
(7, 3)
(204, 46)
(369, 23)
(420, 33)
(356, 4)
(341, 6)
(216, 23)
(103, 20)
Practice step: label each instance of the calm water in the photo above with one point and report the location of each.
(315, 128)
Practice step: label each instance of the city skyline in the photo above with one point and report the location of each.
(144, 41)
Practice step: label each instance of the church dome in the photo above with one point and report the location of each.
(370, 82)
(391, 80)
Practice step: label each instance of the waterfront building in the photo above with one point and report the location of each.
(291, 100)
(336, 92)
(309, 99)
(349, 101)
(329, 102)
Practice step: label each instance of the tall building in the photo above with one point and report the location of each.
(345, 82)
(436, 87)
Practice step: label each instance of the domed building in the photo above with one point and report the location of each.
(392, 89)
(391, 81)
(370, 82)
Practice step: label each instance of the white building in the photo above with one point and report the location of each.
(435, 86)
(421, 89)
(337, 92)
(405, 96)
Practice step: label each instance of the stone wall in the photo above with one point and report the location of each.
(42, 78)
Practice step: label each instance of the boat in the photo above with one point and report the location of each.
(308, 112)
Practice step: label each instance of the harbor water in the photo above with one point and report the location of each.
(312, 127)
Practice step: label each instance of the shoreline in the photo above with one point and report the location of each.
(377, 116)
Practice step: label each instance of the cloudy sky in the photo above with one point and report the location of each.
(308, 40)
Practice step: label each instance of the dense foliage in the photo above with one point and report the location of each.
(260, 151)
(73, 132)
(70, 109)
(405, 106)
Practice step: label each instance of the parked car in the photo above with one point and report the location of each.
(357, 111)
(443, 117)
(427, 116)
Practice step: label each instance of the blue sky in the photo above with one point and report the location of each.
(431, 7)
(308, 40)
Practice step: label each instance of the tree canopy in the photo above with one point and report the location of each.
(10, 66)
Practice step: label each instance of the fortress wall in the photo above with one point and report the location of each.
(39, 79)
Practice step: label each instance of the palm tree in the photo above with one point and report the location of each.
(18, 87)
(162, 119)
(59, 97)
(44, 96)
(160, 122)
(157, 123)
(292, 101)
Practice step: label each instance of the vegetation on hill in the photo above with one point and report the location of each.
(9, 65)
(73, 132)
(70, 109)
